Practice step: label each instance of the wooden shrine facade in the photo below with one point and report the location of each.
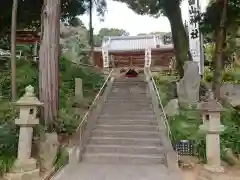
(133, 51)
(123, 59)
(27, 37)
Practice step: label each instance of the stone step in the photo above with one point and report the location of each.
(127, 127)
(126, 122)
(127, 117)
(124, 115)
(124, 149)
(131, 84)
(129, 89)
(134, 86)
(142, 112)
(123, 158)
(125, 134)
(122, 109)
(128, 95)
(126, 141)
(130, 80)
(132, 100)
(129, 100)
(127, 92)
(128, 106)
(119, 104)
(129, 103)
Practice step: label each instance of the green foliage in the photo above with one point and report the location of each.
(75, 22)
(108, 32)
(74, 40)
(61, 157)
(184, 128)
(230, 138)
(8, 146)
(229, 75)
(211, 22)
(27, 73)
(208, 75)
(211, 19)
(32, 17)
(166, 86)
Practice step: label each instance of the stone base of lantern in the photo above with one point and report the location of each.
(28, 175)
(211, 173)
(213, 169)
(26, 170)
(27, 165)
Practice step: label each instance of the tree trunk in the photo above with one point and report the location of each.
(218, 54)
(49, 55)
(13, 49)
(179, 35)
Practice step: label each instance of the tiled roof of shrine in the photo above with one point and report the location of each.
(134, 43)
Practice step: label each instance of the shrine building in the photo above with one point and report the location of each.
(134, 51)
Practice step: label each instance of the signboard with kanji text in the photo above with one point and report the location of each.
(195, 41)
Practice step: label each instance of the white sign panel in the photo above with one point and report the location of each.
(148, 57)
(105, 57)
(194, 33)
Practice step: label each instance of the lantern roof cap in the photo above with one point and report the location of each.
(29, 98)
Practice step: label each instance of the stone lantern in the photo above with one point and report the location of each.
(211, 112)
(26, 167)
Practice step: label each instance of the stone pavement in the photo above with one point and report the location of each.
(85, 171)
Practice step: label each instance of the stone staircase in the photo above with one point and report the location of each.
(126, 131)
(126, 141)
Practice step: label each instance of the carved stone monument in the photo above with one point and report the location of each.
(188, 86)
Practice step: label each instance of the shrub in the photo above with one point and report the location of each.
(230, 138)
(183, 128)
(229, 74)
(8, 146)
(27, 73)
(208, 75)
(167, 87)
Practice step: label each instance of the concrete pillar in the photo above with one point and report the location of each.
(212, 127)
(25, 166)
(78, 89)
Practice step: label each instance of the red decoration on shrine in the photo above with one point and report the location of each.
(27, 36)
(131, 73)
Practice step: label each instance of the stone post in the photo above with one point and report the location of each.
(105, 72)
(212, 127)
(26, 167)
(78, 89)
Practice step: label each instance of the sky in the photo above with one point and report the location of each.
(120, 16)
